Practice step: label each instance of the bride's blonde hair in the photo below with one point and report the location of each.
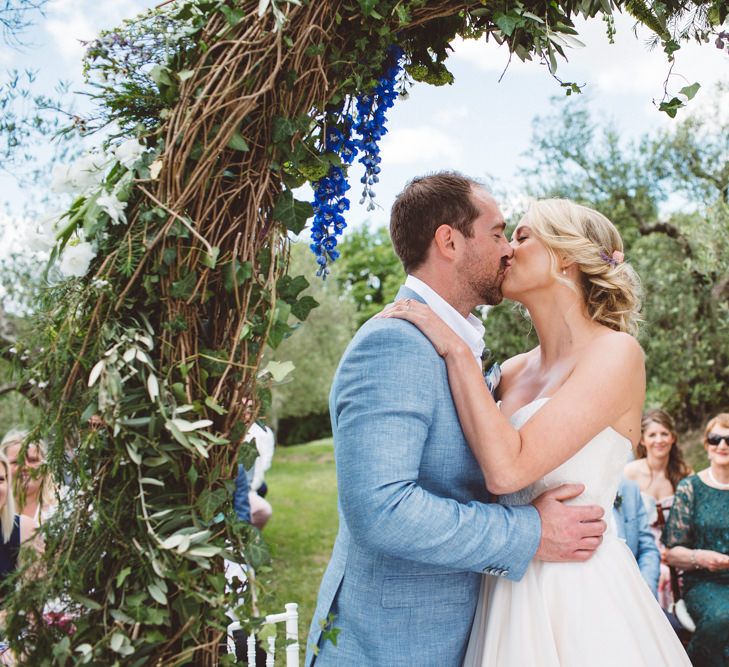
(575, 233)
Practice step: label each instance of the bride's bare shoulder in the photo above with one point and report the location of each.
(513, 367)
(617, 341)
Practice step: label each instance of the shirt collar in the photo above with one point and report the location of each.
(470, 328)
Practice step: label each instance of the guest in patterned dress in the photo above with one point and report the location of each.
(697, 538)
(657, 469)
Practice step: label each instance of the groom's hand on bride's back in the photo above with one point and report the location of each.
(569, 532)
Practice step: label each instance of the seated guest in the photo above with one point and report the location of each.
(14, 529)
(657, 469)
(697, 538)
(33, 485)
(631, 522)
(261, 509)
(241, 506)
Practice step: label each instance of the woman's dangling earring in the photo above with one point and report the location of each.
(564, 272)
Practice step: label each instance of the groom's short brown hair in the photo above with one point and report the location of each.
(426, 203)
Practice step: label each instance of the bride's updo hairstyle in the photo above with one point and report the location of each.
(610, 286)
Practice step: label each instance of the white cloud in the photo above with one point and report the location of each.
(486, 56)
(451, 114)
(66, 25)
(6, 57)
(630, 67)
(70, 21)
(627, 67)
(417, 145)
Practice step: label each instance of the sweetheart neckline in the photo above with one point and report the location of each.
(546, 398)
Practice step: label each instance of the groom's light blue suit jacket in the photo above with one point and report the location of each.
(415, 528)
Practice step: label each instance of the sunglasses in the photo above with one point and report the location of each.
(713, 439)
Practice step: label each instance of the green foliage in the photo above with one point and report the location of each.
(679, 257)
(315, 347)
(369, 271)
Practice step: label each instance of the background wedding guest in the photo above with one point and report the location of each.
(33, 488)
(241, 505)
(697, 537)
(261, 509)
(631, 522)
(15, 529)
(657, 469)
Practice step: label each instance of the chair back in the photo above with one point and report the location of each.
(290, 619)
(678, 608)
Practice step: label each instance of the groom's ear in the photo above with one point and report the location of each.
(445, 241)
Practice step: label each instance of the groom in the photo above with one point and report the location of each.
(416, 528)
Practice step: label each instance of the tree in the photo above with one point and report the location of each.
(679, 255)
(314, 347)
(369, 271)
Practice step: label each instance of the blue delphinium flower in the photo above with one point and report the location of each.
(338, 138)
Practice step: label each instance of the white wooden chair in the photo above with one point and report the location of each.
(291, 619)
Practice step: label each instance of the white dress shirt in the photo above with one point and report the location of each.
(470, 328)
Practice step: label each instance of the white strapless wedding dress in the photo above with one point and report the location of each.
(594, 614)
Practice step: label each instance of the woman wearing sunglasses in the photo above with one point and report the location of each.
(697, 537)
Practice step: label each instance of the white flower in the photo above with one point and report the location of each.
(75, 259)
(99, 283)
(61, 179)
(128, 152)
(88, 171)
(113, 207)
(83, 175)
(41, 237)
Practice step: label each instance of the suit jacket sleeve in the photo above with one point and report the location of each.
(382, 406)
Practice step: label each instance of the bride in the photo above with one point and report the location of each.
(570, 412)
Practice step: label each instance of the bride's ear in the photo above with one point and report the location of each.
(565, 266)
(445, 241)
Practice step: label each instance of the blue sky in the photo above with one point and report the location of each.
(478, 125)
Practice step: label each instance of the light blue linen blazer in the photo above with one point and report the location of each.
(631, 521)
(416, 530)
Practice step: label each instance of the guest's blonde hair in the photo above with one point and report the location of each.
(7, 511)
(46, 493)
(570, 232)
(722, 419)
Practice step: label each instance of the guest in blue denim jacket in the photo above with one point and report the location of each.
(631, 522)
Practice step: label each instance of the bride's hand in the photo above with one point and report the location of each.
(443, 338)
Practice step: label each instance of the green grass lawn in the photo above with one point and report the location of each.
(303, 492)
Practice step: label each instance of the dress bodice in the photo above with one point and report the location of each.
(598, 465)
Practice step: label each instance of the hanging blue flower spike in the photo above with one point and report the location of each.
(369, 124)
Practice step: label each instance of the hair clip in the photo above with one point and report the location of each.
(616, 258)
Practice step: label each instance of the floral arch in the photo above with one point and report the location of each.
(174, 259)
